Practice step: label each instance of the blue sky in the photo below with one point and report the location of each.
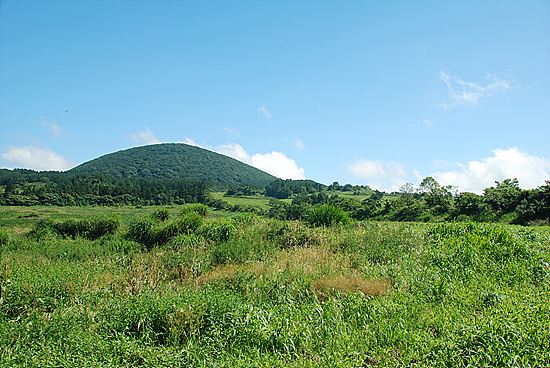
(365, 92)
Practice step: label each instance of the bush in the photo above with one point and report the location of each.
(291, 234)
(327, 215)
(42, 228)
(96, 228)
(231, 252)
(4, 238)
(146, 232)
(142, 231)
(161, 214)
(219, 230)
(189, 223)
(89, 228)
(69, 228)
(198, 208)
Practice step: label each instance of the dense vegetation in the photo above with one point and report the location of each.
(30, 188)
(175, 160)
(430, 202)
(178, 173)
(195, 288)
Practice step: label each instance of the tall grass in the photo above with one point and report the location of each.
(255, 292)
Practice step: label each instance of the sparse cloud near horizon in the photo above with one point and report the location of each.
(461, 92)
(531, 171)
(144, 137)
(275, 163)
(265, 112)
(380, 175)
(474, 176)
(35, 158)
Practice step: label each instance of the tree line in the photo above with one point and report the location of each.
(29, 188)
(429, 202)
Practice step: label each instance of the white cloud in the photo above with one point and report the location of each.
(35, 158)
(461, 92)
(145, 137)
(276, 163)
(265, 112)
(192, 142)
(531, 171)
(299, 144)
(386, 176)
(52, 126)
(234, 150)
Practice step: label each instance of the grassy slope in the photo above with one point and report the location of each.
(176, 160)
(276, 294)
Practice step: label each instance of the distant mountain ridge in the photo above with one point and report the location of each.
(175, 160)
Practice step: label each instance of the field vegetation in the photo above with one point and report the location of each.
(190, 286)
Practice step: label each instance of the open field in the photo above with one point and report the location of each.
(260, 202)
(249, 291)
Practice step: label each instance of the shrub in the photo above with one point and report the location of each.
(146, 232)
(231, 252)
(245, 218)
(142, 231)
(219, 230)
(161, 214)
(291, 234)
(96, 228)
(327, 215)
(42, 228)
(4, 238)
(189, 223)
(198, 208)
(69, 228)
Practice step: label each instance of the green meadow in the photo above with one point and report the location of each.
(186, 286)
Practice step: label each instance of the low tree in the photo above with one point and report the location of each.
(504, 197)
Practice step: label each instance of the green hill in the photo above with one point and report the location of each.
(175, 160)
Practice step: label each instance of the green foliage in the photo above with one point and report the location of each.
(88, 228)
(454, 294)
(142, 231)
(4, 238)
(150, 233)
(504, 197)
(198, 208)
(96, 228)
(243, 190)
(287, 211)
(281, 189)
(289, 235)
(327, 215)
(162, 214)
(27, 188)
(534, 206)
(175, 160)
(220, 230)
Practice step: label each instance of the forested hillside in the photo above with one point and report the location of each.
(175, 160)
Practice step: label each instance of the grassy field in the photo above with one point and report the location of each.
(247, 291)
(246, 201)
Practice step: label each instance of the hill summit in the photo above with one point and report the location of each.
(175, 160)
